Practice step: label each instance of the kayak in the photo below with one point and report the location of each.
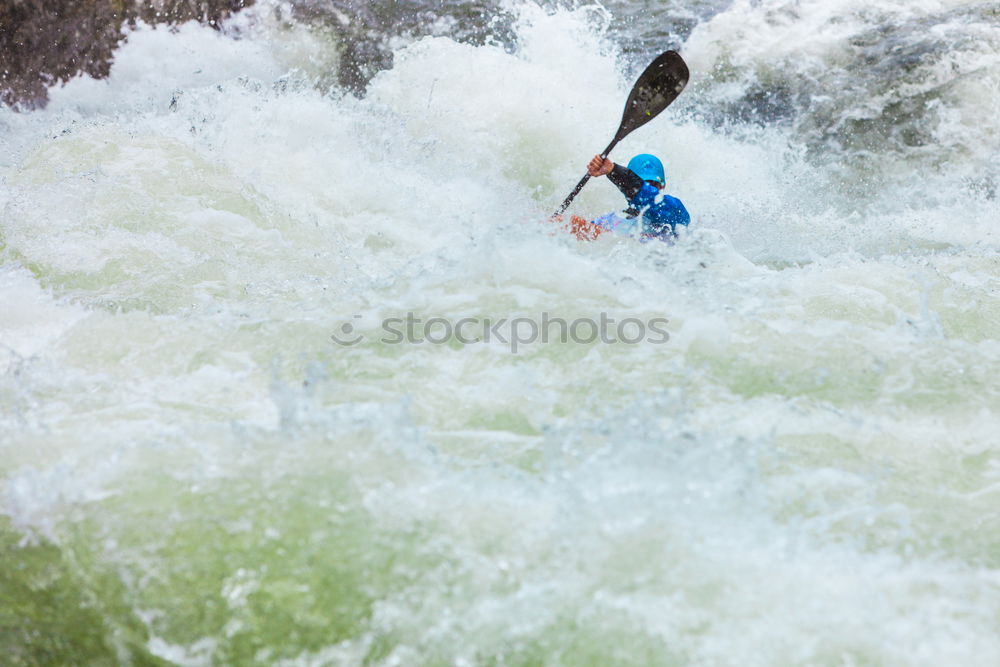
(589, 230)
(584, 230)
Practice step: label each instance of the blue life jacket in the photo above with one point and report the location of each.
(650, 213)
(660, 213)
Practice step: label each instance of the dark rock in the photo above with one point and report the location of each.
(48, 42)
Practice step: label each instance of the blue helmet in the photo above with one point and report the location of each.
(648, 168)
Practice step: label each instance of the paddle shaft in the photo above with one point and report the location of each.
(583, 181)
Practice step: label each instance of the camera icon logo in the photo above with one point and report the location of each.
(345, 334)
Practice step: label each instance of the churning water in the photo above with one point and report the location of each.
(193, 472)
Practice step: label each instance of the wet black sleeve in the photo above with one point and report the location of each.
(626, 180)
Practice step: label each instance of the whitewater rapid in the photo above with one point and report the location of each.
(806, 472)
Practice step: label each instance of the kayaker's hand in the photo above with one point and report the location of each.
(600, 166)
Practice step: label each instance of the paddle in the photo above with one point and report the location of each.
(654, 90)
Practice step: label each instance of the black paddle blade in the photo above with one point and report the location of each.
(656, 88)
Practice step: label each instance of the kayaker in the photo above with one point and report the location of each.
(651, 214)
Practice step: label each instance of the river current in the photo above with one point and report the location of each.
(214, 450)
